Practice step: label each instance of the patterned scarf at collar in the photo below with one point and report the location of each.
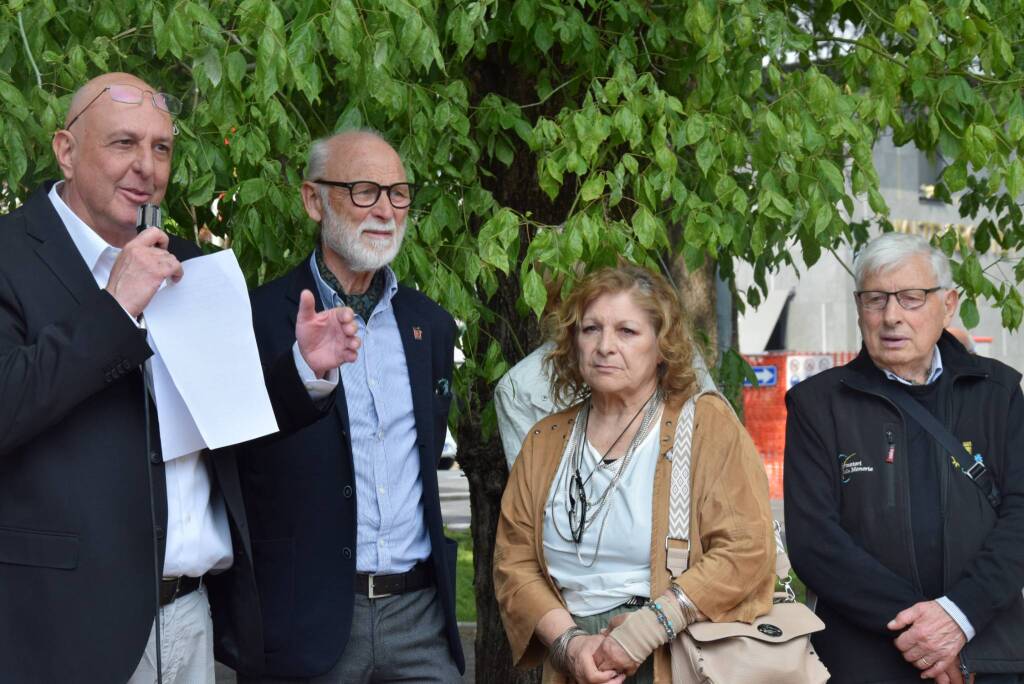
(362, 304)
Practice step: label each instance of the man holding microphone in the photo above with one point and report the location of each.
(76, 520)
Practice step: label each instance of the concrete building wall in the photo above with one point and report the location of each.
(822, 315)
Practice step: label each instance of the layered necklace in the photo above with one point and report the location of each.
(584, 507)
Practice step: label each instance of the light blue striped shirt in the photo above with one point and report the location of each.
(391, 536)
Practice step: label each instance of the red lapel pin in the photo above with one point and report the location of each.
(417, 332)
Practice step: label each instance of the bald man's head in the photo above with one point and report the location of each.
(89, 92)
(115, 153)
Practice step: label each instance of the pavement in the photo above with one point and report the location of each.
(454, 489)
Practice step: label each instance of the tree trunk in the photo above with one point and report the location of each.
(698, 297)
(483, 462)
(486, 483)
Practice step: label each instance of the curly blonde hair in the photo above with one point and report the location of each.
(652, 294)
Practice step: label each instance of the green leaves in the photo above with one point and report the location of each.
(1014, 178)
(209, 65)
(706, 154)
(969, 313)
(833, 176)
(550, 138)
(533, 292)
(14, 102)
(497, 236)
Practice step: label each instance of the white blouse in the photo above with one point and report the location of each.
(621, 568)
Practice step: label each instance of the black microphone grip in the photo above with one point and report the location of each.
(149, 216)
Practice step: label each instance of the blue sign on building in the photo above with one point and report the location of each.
(767, 376)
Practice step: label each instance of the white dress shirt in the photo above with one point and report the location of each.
(198, 536)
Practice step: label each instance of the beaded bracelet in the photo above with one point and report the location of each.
(663, 619)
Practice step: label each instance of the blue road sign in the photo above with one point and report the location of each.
(767, 376)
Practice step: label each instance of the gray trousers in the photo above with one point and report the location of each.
(186, 643)
(398, 638)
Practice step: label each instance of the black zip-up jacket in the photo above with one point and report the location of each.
(848, 514)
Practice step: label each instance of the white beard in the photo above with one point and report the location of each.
(360, 253)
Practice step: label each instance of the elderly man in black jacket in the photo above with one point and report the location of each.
(910, 531)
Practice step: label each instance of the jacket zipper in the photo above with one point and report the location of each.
(890, 458)
(947, 422)
(907, 528)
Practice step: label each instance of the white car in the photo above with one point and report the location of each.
(448, 451)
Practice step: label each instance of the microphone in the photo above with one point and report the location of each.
(149, 216)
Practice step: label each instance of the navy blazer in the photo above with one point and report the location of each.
(300, 490)
(76, 526)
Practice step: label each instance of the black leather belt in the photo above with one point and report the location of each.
(636, 602)
(172, 588)
(378, 586)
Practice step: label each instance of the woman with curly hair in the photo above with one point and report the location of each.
(580, 559)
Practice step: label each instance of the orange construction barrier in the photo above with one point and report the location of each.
(764, 406)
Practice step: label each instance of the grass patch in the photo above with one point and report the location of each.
(465, 601)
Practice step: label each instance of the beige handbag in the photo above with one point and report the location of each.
(776, 648)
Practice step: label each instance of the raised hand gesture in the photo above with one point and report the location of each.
(326, 339)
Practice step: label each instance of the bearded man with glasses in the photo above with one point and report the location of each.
(85, 492)
(355, 576)
(904, 488)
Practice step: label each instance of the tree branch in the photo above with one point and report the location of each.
(28, 51)
(857, 43)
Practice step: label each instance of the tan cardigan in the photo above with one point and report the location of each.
(731, 572)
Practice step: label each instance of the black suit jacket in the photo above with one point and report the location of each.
(300, 490)
(76, 535)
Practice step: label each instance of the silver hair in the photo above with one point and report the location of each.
(889, 250)
(320, 150)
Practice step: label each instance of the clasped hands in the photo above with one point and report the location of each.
(326, 339)
(598, 659)
(930, 640)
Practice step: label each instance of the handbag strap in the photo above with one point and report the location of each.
(677, 541)
(976, 471)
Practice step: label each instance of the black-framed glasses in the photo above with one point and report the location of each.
(366, 193)
(876, 300)
(129, 94)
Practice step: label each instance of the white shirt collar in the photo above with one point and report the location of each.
(933, 372)
(99, 256)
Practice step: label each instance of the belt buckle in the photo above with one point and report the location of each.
(167, 581)
(370, 591)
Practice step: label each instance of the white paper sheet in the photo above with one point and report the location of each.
(181, 436)
(202, 329)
